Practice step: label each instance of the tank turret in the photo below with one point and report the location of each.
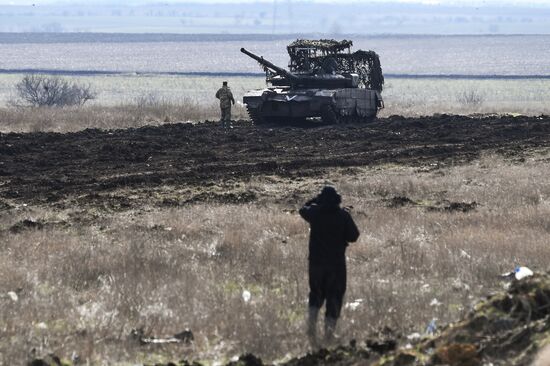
(277, 76)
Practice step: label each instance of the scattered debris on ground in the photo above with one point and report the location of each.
(186, 337)
(507, 328)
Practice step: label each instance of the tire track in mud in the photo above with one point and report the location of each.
(49, 167)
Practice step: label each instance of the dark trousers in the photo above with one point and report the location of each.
(327, 283)
(226, 116)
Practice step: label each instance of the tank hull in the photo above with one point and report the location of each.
(331, 105)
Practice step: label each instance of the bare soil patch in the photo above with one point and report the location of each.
(86, 166)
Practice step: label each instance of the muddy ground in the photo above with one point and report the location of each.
(88, 167)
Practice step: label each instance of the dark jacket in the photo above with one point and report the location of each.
(332, 228)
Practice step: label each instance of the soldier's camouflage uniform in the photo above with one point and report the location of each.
(226, 99)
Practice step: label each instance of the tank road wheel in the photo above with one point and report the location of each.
(255, 116)
(329, 115)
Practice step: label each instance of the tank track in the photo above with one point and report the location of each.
(328, 116)
(255, 115)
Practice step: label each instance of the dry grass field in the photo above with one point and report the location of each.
(71, 119)
(86, 276)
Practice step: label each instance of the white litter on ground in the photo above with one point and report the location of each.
(354, 304)
(522, 272)
(246, 295)
(435, 302)
(13, 296)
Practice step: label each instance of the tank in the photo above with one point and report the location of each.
(324, 80)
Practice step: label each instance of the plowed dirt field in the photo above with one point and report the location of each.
(51, 167)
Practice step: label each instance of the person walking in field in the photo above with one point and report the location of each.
(226, 99)
(331, 230)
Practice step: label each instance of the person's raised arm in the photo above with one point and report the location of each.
(308, 209)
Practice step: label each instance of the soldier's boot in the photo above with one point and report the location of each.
(311, 325)
(330, 327)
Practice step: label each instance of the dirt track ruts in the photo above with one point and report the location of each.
(47, 167)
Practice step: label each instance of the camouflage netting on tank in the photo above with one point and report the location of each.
(330, 56)
(369, 60)
(328, 45)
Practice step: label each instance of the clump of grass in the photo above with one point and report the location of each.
(470, 98)
(146, 110)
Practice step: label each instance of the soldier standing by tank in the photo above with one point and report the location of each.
(332, 228)
(226, 99)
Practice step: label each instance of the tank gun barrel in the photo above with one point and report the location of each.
(269, 65)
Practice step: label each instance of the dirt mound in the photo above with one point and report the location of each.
(402, 201)
(25, 225)
(50, 167)
(30, 224)
(461, 206)
(508, 328)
